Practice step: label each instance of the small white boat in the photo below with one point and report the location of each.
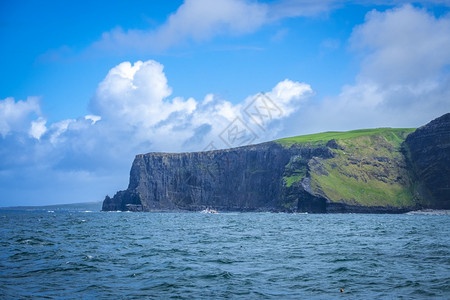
(209, 211)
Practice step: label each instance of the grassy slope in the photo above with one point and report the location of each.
(368, 170)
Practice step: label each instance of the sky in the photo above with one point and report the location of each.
(87, 85)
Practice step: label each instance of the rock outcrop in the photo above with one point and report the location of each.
(363, 171)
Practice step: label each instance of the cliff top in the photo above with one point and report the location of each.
(324, 137)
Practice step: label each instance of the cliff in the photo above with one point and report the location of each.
(428, 155)
(376, 170)
(242, 179)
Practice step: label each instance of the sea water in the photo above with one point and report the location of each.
(87, 255)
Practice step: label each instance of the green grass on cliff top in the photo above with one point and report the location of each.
(321, 138)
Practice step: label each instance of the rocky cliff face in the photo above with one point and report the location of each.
(359, 171)
(242, 179)
(428, 152)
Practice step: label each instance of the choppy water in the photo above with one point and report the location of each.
(251, 255)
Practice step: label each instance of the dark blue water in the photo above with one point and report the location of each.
(86, 255)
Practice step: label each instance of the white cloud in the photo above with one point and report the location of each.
(194, 20)
(15, 116)
(59, 128)
(208, 98)
(404, 45)
(93, 118)
(202, 20)
(290, 95)
(404, 79)
(38, 128)
(134, 94)
(134, 99)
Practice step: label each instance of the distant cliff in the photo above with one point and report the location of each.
(375, 170)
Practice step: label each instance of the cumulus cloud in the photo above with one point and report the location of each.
(405, 69)
(403, 46)
(134, 94)
(404, 78)
(258, 117)
(133, 112)
(38, 128)
(289, 95)
(194, 20)
(16, 116)
(135, 98)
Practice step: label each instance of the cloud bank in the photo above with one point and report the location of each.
(134, 100)
(133, 111)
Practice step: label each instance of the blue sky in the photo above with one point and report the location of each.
(87, 85)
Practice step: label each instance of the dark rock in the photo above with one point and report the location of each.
(335, 207)
(127, 200)
(311, 203)
(243, 179)
(334, 145)
(428, 153)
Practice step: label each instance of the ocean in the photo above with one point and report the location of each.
(112, 255)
